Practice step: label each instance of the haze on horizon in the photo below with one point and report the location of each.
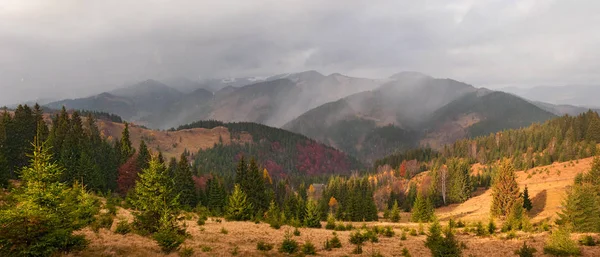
(70, 48)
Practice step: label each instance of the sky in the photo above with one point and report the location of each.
(73, 48)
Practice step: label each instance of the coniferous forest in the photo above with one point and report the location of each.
(62, 175)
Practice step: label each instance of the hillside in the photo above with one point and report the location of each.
(216, 147)
(281, 152)
(412, 110)
(480, 113)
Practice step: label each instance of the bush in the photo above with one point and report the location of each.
(405, 252)
(168, 239)
(262, 246)
(206, 248)
(288, 245)
(123, 227)
(560, 244)
(439, 245)
(202, 218)
(413, 232)
(335, 241)
(525, 251)
(403, 236)
(186, 252)
(308, 248)
(235, 251)
(224, 231)
(491, 227)
(330, 222)
(479, 230)
(587, 241)
(421, 229)
(296, 232)
(460, 224)
(104, 220)
(388, 232)
(376, 254)
(339, 227)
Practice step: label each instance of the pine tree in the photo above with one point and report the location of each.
(156, 206)
(459, 184)
(593, 129)
(313, 215)
(184, 184)
(238, 207)
(217, 197)
(505, 191)
(44, 213)
(526, 201)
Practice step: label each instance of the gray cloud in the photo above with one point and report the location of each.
(68, 48)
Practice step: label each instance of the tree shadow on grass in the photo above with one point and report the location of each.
(539, 203)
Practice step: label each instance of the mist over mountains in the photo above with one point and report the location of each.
(367, 118)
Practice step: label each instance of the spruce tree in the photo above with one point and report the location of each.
(125, 144)
(581, 209)
(184, 183)
(442, 246)
(526, 201)
(505, 191)
(593, 129)
(313, 215)
(238, 207)
(423, 209)
(217, 196)
(143, 157)
(395, 213)
(43, 213)
(156, 206)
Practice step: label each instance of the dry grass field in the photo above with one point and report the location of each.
(546, 185)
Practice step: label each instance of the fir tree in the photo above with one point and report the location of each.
(238, 207)
(526, 201)
(217, 197)
(44, 213)
(505, 191)
(442, 246)
(593, 129)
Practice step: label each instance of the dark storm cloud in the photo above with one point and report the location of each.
(67, 48)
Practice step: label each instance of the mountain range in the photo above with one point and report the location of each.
(367, 118)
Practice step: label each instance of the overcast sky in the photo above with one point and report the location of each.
(67, 48)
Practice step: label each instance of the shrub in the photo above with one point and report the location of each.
(335, 241)
(339, 227)
(587, 241)
(224, 231)
(296, 232)
(451, 223)
(405, 252)
(357, 249)
(235, 251)
(439, 245)
(388, 232)
(186, 252)
(202, 218)
(123, 227)
(560, 244)
(403, 236)
(206, 248)
(330, 222)
(480, 231)
(308, 248)
(168, 239)
(104, 220)
(460, 224)
(491, 228)
(525, 251)
(262, 246)
(413, 232)
(288, 245)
